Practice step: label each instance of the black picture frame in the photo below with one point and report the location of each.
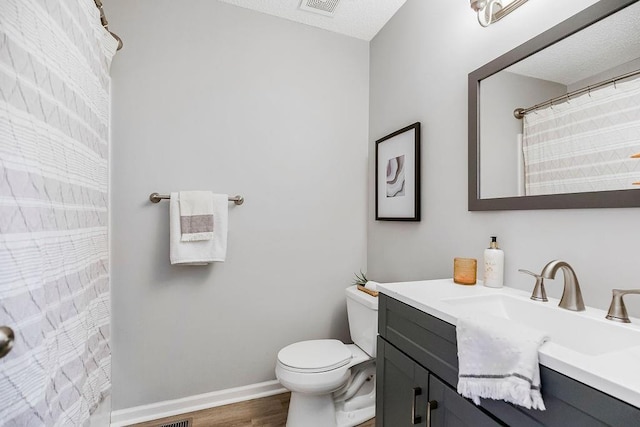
(397, 175)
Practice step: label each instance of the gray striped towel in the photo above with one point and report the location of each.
(498, 359)
(196, 215)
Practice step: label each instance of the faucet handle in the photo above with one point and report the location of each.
(531, 273)
(617, 309)
(539, 293)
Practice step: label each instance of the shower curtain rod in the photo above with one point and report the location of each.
(519, 113)
(105, 23)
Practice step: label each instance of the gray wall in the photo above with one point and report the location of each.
(211, 96)
(500, 94)
(419, 67)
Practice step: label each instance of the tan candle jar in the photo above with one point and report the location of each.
(465, 271)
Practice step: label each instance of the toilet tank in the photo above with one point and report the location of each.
(362, 310)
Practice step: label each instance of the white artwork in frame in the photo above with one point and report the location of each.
(397, 178)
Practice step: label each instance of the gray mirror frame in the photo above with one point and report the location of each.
(601, 199)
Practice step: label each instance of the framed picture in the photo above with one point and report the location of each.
(398, 175)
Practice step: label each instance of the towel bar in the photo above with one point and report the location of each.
(155, 198)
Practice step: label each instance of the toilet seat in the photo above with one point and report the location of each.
(315, 356)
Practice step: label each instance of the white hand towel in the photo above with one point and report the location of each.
(371, 285)
(204, 251)
(196, 215)
(498, 359)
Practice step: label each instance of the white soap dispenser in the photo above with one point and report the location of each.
(493, 265)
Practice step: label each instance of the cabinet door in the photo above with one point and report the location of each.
(402, 389)
(448, 409)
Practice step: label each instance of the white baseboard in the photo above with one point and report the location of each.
(168, 408)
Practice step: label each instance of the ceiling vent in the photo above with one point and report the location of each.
(322, 7)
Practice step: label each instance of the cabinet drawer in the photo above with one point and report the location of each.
(426, 339)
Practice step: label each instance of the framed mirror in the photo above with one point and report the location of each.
(555, 122)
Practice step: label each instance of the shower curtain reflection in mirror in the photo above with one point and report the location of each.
(586, 143)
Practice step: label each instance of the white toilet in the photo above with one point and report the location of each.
(333, 384)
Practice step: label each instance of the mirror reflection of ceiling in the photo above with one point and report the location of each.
(596, 49)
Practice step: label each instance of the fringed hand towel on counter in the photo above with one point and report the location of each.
(204, 251)
(498, 359)
(196, 215)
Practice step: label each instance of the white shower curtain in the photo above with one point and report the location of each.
(585, 144)
(54, 255)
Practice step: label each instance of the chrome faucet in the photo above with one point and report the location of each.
(617, 310)
(571, 296)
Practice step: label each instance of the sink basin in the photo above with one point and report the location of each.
(582, 345)
(573, 330)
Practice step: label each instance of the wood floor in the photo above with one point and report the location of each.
(266, 412)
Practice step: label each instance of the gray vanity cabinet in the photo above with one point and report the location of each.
(417, 366)
(453, 410)
(408, 395)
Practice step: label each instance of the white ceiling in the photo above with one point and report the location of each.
(361, 19)
(572, 60)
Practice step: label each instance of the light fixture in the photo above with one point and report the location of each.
(490, 11)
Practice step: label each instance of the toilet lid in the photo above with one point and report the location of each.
(315, 355)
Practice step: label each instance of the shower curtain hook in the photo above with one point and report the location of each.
(589, 88)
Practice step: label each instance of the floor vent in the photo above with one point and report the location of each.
(323, 7)
(181, 423)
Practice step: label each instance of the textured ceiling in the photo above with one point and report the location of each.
(600, 47)
(361, 19)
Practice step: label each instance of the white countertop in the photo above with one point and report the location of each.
(616, 373)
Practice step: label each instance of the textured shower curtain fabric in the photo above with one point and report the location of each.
(584, 144)
(54, 255)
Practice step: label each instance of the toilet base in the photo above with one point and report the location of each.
(313, 410)
(361, 407)
(320, 411)
(306, 410)
(354, 418)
